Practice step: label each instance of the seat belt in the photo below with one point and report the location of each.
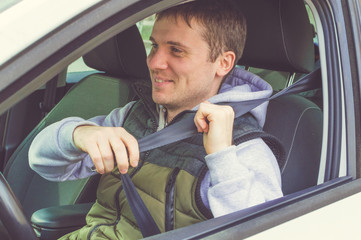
(49, 96)
(50, 91)
(185, 129)
(145, 221)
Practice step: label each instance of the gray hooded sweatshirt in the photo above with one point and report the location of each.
(239, 176)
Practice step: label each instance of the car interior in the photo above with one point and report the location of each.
(281, 41)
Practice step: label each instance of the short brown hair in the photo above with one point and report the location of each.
(224, 24)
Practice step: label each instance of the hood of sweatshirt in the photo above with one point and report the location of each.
(242, 85)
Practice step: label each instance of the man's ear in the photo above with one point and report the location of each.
(225, 63)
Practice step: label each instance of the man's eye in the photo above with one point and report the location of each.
(154, 45)
(176, 50)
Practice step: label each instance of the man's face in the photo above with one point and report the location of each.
(182, 75)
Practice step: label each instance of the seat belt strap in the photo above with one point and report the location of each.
(145, 221)
(185, 129)
(49, 96)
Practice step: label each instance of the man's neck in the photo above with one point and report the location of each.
(172, 114)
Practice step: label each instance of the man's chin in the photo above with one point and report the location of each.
(160, 98)
(159, 101)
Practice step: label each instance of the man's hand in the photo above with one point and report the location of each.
(103, 144)
(216, 122)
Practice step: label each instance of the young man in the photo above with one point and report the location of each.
(195, 48)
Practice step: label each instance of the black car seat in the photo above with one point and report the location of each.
(122, 59)
(282, 40)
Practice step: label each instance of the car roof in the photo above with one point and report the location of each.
(28, 21)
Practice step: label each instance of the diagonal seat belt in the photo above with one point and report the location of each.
(185, 129)
(145, 221)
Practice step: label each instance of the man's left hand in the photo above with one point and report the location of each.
(216, 123)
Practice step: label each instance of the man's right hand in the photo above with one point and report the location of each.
(106, 145)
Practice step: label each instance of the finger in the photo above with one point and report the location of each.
(121, 156)
(198, 125)
(107, 155)
(201, 123)
(96, 157)
(132, 146)
(201, 117)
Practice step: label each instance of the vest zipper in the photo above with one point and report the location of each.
(206, 212)
(169, 200)
(116, 220)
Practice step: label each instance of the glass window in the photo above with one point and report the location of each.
(78, 70)
(145, 28)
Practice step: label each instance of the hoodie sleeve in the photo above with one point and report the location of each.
(240, 177)
(53, 154)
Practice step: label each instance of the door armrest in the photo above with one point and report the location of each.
(54, 222)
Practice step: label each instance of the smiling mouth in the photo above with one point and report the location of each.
(161, 80)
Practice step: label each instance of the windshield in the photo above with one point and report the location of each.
(5, 4)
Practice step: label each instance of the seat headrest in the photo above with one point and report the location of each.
(123, 55)
(279, 35)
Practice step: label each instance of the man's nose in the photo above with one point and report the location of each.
(157, 59)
